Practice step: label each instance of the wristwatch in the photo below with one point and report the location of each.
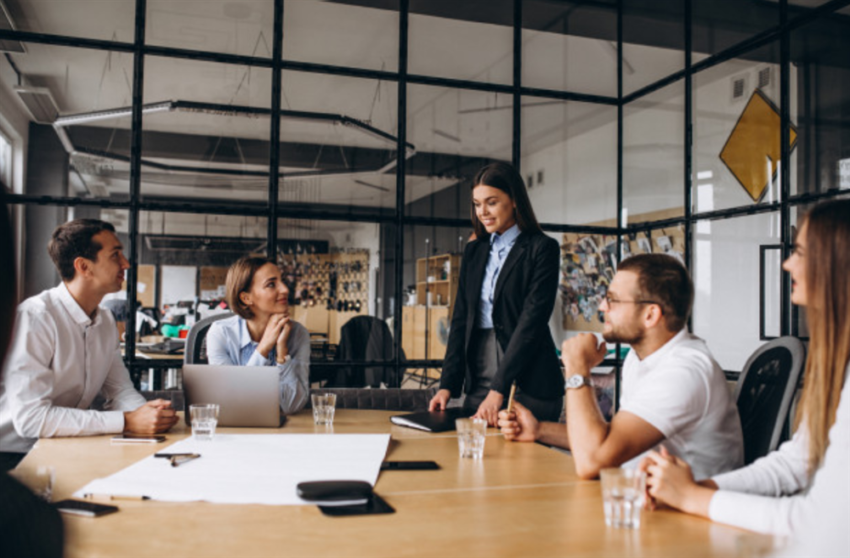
(286, 359)
(576, 381)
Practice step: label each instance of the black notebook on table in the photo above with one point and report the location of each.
(437, 421)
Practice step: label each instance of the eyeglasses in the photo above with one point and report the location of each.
(612, 301)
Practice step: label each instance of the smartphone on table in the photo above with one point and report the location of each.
(85, 509)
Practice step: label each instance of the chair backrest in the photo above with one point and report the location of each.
(387, 399)
(364, 338)
(196, 346)
(764, 393)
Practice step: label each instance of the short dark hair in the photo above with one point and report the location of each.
(239, 279)
(664, 280)
(73, 240)
(506, 178)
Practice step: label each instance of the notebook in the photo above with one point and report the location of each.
(246, 395)
(437, 421)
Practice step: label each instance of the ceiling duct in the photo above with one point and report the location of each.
(205, 244)
(39, 103)
(6, 24)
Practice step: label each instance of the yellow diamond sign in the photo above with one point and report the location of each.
(752, 151)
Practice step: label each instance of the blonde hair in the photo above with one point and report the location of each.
(828, 311)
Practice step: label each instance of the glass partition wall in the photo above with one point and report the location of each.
(340, 139)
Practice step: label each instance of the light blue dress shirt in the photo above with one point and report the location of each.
(500, 247)
(230, 343)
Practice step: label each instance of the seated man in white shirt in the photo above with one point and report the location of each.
(674, 394)
(65, 351)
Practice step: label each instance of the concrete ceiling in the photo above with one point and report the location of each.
(442, 122)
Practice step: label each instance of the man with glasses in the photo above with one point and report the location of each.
(674, 394)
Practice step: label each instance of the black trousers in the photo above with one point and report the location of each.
(485, 355)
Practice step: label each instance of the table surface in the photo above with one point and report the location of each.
(520, 500)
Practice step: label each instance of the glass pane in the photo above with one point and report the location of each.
(64, 97)
(206, 130)
(570, 46)
(819, 77)
(245, 28)
(462, 40)
(569, 161)
(341, 35)
(336, 274)
(653, 155)
(112, 20)
(653, 42)
(432, 260)
(455, 133)
(343, 153)
(727, 257)
(736, 153)
(720, 24)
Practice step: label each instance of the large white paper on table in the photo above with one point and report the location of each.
(249, 468)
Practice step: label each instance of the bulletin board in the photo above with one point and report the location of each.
(589, 262)
(213, 282)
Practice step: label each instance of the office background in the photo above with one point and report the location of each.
(341, 136)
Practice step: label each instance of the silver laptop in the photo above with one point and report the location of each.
(247, 395)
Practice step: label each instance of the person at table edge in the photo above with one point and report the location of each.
(262, 333)
(674, 393)
(65, 351)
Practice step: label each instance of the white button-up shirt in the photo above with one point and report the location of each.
(60, 360)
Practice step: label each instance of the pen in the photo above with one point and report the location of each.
(177, 460)
(511, 397)
(90, 496)
(170, 455)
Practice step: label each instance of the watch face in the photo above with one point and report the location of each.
(576, 381)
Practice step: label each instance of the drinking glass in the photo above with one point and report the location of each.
(471, 434)
(324, 405)
(622, 496)
(204, 420)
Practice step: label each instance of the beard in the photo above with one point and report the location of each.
(628, 335)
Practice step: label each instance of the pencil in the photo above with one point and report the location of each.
(90, 496)
(511, 397)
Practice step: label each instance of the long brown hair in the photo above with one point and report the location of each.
(828, 311)
(506, 178)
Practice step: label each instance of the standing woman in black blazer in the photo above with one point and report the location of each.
(505, 297)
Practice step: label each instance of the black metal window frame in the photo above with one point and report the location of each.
(272, 210)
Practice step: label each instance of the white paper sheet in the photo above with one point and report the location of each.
(249, 468)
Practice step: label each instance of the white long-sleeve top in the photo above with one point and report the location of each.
(774, 495)
(60, 360)
(230, 343)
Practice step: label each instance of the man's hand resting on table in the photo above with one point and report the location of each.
(154, 417)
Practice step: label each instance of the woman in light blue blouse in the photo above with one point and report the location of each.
(262, 332)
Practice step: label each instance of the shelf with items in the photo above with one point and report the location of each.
(437, 276)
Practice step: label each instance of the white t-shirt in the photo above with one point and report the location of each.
(680, 390)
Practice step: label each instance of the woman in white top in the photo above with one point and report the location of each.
(262, 333)
(803, 488)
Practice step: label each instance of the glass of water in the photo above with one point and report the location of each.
(324, 405)
(471, 434)
(204, 420)
(622, 496)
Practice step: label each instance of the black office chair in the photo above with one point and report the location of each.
(196, 341)
(764, 393)
(368, 339)
(387, 399)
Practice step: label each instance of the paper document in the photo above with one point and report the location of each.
(249, 468)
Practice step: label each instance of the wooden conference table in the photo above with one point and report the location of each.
(520, 500)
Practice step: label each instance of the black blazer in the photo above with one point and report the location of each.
(522, 305)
